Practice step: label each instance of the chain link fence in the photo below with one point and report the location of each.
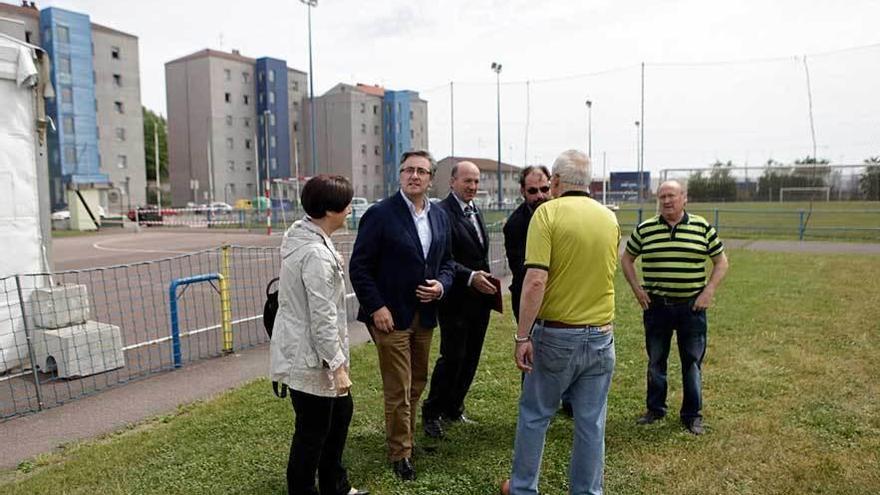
(73, 333)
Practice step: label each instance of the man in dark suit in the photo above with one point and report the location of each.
(534, 185)
(400, 267)
(464, 313)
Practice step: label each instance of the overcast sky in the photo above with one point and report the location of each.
(695, 111)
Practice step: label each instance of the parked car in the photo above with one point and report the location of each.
(145, 215)
(65, 214)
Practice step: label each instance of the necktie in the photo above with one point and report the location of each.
(471, 213)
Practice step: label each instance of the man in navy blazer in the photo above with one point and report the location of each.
(464, 313)
(400, 267)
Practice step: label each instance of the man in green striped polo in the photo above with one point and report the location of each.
(675, 248)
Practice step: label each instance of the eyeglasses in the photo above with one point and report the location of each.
(423, 172)
(534, 190)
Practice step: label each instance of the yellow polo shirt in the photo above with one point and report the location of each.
(575, 239)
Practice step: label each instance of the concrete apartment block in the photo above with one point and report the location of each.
(121, 161)
(358, 135)
(212, 99)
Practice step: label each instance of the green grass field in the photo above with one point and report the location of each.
(791, 406)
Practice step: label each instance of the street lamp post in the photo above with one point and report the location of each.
(639, 162)
(496, 67)
(266, 191)
(310, 4)
(590, 129)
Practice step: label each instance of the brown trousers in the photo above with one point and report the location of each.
(403, 361)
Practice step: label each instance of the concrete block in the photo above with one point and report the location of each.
(60, 306)
(80, 350)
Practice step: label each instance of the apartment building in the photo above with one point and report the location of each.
(361, 132)
(98, 140)
(232, 120)
(510, 192)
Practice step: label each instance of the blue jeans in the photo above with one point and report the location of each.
(582, 361)
(662, 318)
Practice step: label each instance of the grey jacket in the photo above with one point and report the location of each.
(310, 336)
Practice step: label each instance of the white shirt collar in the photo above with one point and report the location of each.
(412, 207)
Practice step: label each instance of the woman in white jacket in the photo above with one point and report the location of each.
(309, 349)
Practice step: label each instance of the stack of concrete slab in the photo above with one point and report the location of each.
(66, 341)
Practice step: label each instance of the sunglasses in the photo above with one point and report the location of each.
(534, 190)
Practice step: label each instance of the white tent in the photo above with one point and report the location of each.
(25, 233)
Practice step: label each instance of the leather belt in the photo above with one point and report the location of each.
(670, 301)
(561, 324)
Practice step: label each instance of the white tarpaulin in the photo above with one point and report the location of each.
(20, 235)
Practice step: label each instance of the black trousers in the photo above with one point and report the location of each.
(461, 343)
(318, 441)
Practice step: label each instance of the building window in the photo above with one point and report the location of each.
(376, 150)
(375, 130)
(363, 128)
(120, 133)
(364, 189)
(27, 37)
(227, 74)
(121, 161)
(247, 144)
(248, 165)
(378, 169)
(377, 191)
(261, 98)
(271, 141)
(273, 163)
(272, 75)
(296, 105)
(70, 155)
(227, 97)
(114, 52)
(363, 149)
(412, 134)
(229, 120)
(271, 119)
(119, 106)
(260, 76)
(63, 34)
(271, 97)
(246, 99)
(229, 143)
(375, 109)
(117, 80)
(68, 124)
(296, 127)
(247, 121)
(64, 64)
(296, 85)
(230, 165)
(410, 115)
(245, 77)
(364, 169)
(363, 107)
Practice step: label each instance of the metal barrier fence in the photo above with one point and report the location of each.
(73, 333)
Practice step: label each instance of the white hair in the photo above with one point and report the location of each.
(573, 169)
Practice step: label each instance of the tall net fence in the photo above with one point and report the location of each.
(697, 112)
(73, 333)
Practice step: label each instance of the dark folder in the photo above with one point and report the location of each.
(498, 303)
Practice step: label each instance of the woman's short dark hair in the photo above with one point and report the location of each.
(324, 193)
(528, 170)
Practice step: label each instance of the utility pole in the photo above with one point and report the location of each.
(642, 142)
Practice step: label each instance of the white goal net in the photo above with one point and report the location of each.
(804, 194)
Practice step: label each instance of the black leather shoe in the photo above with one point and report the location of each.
(649, 418)
(404, 469)
(694, 425)
(432, 427)
(461, 418)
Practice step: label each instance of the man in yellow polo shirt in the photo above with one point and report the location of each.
(564, 340)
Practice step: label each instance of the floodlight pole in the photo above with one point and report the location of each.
(496, 67)
(310, 4)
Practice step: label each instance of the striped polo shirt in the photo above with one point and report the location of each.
(674, 259)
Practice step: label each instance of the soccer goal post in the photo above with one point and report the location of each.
(804, 193)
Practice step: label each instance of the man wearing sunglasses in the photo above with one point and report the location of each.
(400, 268)
(534, 185)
